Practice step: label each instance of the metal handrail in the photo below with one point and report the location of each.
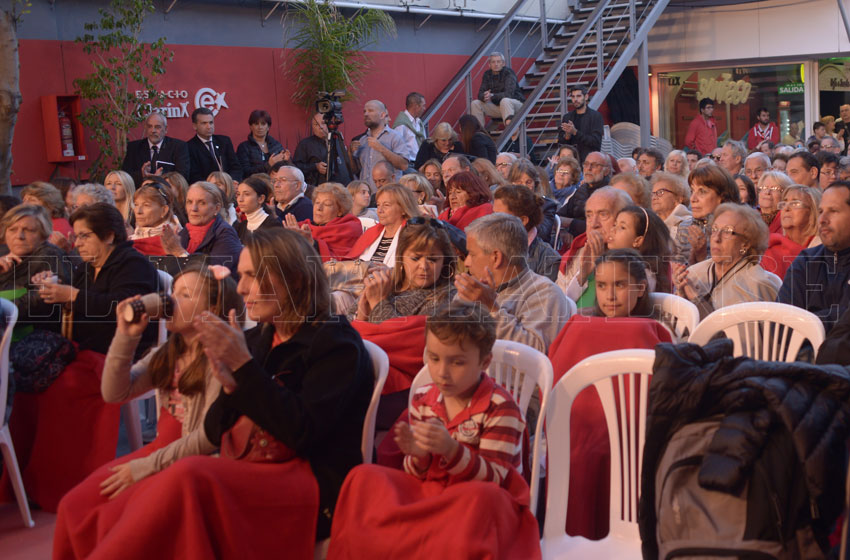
(605, 71)
(555, 69)
(473, 60)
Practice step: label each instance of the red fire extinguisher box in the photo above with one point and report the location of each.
(63, 131)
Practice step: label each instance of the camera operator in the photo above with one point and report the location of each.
(311, 156)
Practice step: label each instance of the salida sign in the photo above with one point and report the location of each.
(174, 108)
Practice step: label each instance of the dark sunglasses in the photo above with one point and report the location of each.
(421, 220)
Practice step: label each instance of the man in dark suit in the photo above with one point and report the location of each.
(210, 152)
(157, 153)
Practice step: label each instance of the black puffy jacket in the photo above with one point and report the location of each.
(692, 383)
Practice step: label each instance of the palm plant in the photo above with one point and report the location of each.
(326, 47)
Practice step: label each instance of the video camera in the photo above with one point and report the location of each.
(330, 106)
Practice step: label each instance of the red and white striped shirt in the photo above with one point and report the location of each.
(489, 430)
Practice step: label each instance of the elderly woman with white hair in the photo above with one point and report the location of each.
(670, 194)
(732, 275)
(677, 164)
(442, 142)
(206, 235)
(88, 194)
(771, 188)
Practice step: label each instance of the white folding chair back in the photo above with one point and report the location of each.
(625, 415)
(130, 409)
(10, 312)
(767, 331)
(381, 367)
(676, 313)
(521, 370)
(557, 235)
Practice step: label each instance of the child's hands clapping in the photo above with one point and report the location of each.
(433, 437)
(406, 442)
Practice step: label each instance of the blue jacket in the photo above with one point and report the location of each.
(818, 282)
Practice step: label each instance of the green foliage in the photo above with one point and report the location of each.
(122, 66)
(326, 47)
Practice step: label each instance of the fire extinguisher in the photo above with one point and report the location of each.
(66, 134)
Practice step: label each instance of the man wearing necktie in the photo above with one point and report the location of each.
(156, 153)
(210, 152)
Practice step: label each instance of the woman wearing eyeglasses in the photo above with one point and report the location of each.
(799, 214)
(443, 141)
(771, 187)
(732, 274)
(670, 194)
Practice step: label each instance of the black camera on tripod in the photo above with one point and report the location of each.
(330, 106)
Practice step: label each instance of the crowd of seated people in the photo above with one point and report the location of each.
(458, 232)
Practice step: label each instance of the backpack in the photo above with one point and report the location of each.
(770, 516)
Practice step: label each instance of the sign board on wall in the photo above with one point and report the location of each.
(792, 88)
(834, 76)
(174, 108)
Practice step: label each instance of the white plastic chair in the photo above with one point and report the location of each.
(381, 367)
(625, 369)
(676, 313)
(10, 312)
(130, 409)
(512, 361)
(763, 330)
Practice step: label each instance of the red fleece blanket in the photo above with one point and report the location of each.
(403, 339)
(336, 238)
(465, 215)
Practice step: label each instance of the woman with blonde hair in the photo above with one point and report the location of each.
(432, 170)
(442, 142)
(153, 209)
(487, 171)
(179, 186)
(677, 164)
(421, 187)
(122, 187)
(799, 217)
(379, 244)
(361, 195)
(224, 182)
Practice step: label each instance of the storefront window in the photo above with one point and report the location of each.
(834, 86)
(738, 94)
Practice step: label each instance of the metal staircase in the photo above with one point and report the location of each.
(591, 48)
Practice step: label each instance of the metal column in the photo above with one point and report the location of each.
(643, 94)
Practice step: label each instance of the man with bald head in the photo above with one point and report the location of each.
(600, 212)
(597, 174)
(378, 143)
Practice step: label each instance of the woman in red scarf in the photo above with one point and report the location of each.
(469, 199)
(333, 229)
(206, 234)
(153, 208)
(799, 211)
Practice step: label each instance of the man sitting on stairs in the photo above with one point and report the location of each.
(499, 95)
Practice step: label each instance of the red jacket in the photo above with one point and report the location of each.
(756, 137)
(701, 135)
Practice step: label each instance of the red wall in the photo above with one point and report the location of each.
(249, 78)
